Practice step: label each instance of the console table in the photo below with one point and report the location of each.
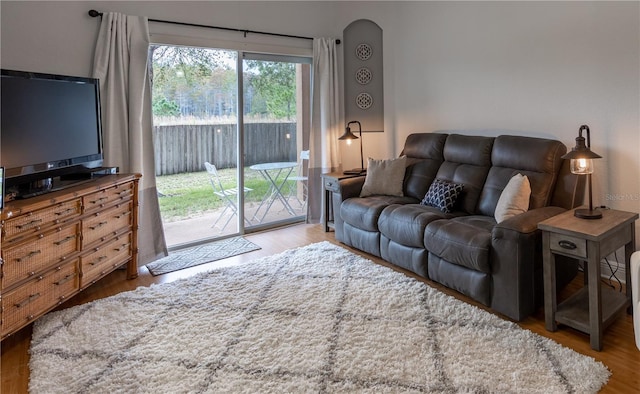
(594, 307)
(57, 244)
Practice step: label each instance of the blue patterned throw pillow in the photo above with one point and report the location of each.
(442, 195)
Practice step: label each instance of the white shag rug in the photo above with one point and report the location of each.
(312, 319)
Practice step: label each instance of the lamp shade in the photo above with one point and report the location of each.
(581, 166)
(581, 154)
(348, 135)
(581, 163)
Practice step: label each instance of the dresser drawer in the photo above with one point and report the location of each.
(32, 222)
(566, 244)
(99, 200)
(105, 258)
(33, 256)
(107, 223)
(41, 293)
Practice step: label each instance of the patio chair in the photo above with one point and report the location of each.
(299, 178)
(227, 195)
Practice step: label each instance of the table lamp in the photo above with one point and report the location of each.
(349, 136)
(582, 164)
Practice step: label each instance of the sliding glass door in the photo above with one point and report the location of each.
(206, 188)
(194, 96)
(275, 119)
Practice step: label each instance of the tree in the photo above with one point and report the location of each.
(183, 79)
(201, 82)
(275, 83)
(164, 107)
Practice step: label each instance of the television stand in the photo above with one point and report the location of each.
(57, 245)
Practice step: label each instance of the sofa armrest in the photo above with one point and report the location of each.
(516, 250)
(528, 222)
(346, 188)
(349, 187)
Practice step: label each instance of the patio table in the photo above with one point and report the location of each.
(271, 172)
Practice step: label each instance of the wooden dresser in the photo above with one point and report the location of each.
(55, 245)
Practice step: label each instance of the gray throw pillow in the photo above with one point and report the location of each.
(384, 177)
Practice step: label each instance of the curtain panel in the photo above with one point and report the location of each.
(325, 122)
(120, 62)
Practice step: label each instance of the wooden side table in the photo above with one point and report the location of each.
(331, 183)
(593, 308)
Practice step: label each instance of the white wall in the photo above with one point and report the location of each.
(530, 68)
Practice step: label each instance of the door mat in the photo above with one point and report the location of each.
(201, 254)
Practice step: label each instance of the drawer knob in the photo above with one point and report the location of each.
(564, 244)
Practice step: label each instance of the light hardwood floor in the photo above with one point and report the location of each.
(619, 353)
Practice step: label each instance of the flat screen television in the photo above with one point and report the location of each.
(50, 126)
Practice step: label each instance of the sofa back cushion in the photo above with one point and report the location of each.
(538, 158)
(424, 152)
(467, 160)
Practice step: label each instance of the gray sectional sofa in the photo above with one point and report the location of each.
(497, 264)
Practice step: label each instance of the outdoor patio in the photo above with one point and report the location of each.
(201, 226)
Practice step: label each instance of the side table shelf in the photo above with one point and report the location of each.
(594, 307)
(574, 312)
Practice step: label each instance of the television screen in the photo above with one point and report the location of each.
(48, 122)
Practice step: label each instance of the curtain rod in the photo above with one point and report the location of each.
(94, 13)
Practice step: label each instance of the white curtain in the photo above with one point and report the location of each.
(120, 63)
(325, 122)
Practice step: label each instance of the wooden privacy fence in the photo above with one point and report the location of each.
(185, 148)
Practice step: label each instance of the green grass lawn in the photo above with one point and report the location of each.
(187, 195)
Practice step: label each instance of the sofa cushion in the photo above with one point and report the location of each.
(475, 284)
(537, 158)
(442, 195)
(424, 153)
(464, 241)
(407, 257)
(363, 213)
(419, 175)
(405, 224)
(467, 161)
(514, 199)
(384, 177)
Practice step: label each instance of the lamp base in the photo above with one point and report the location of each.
(587, 214)
(356, 171)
